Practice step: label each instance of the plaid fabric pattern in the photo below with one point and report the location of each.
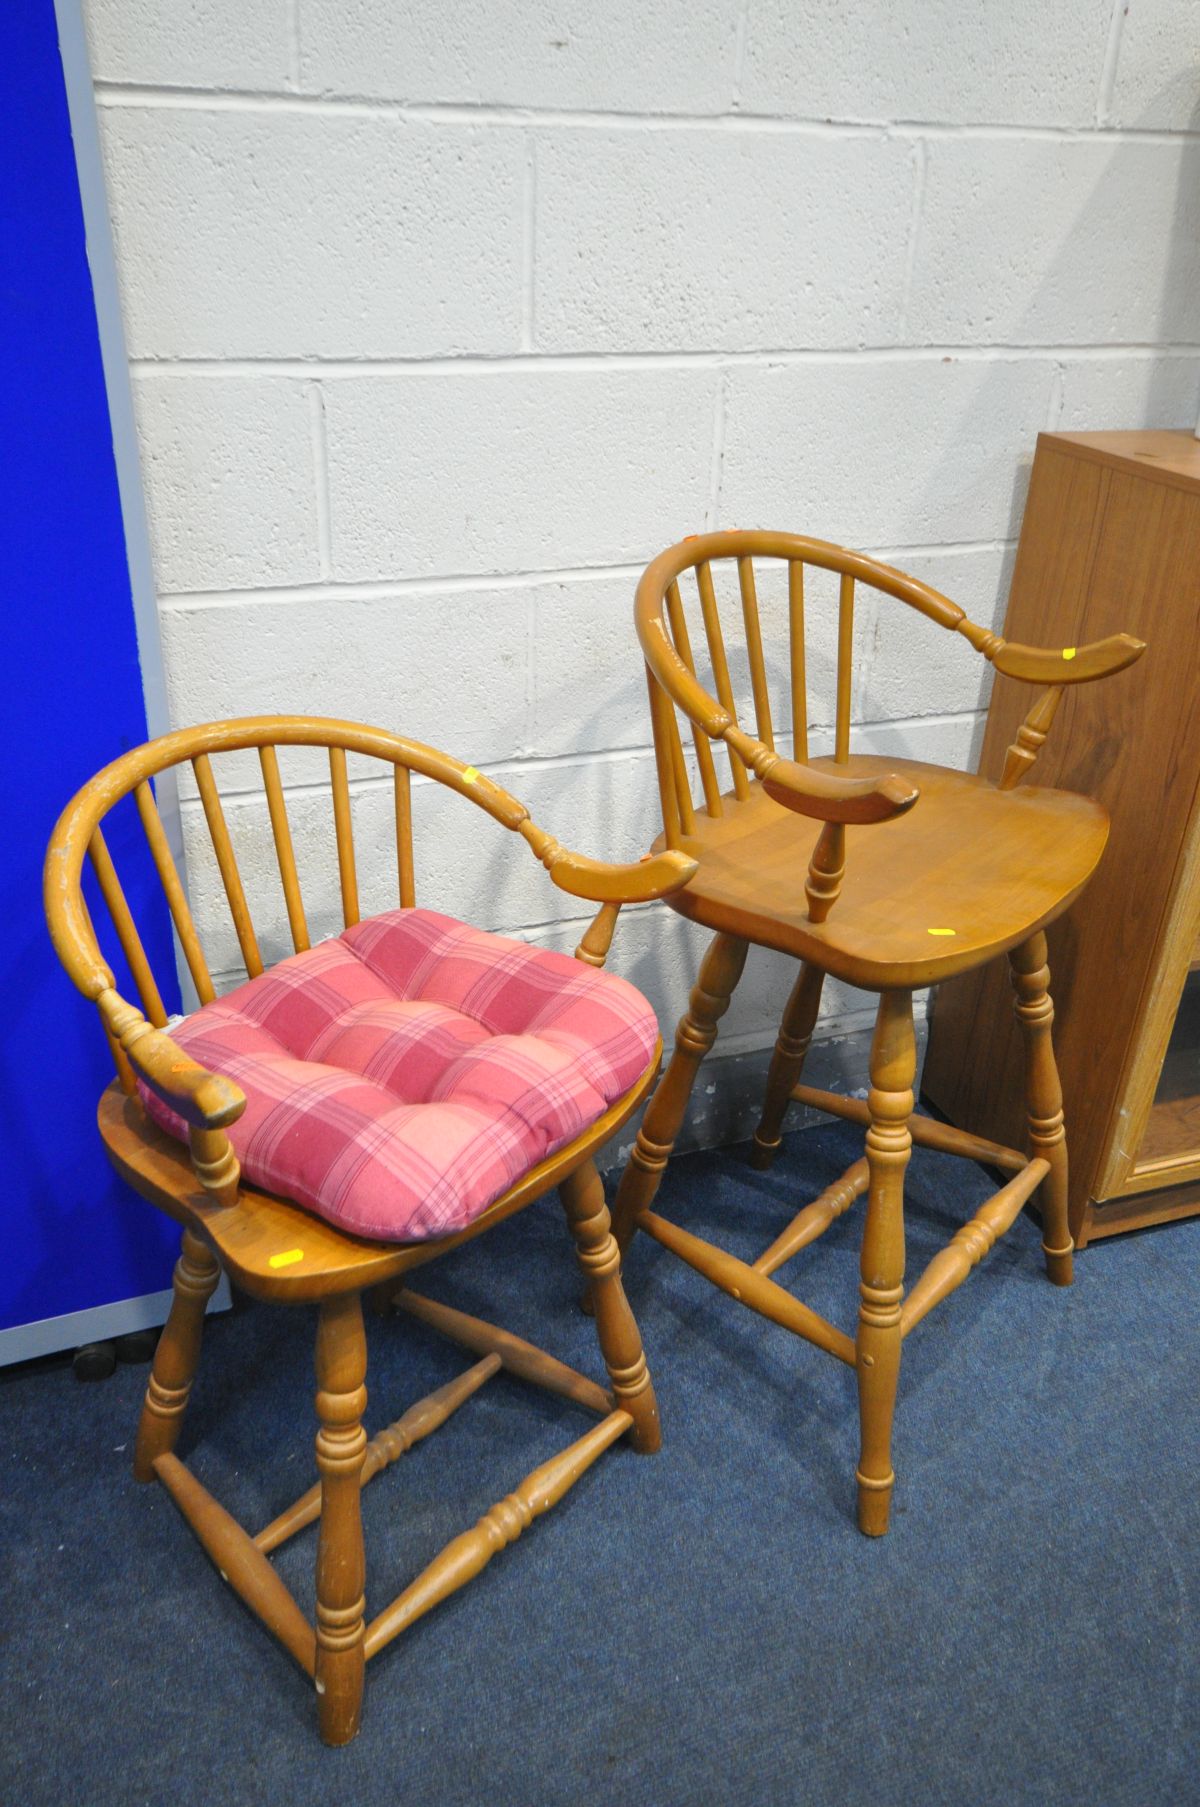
(400, 1078)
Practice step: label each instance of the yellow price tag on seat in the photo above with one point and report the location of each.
(288, 1258)
(1069, 652)
(941, 931)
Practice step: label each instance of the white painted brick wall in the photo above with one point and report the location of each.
(623, 56)
(231, 479)
(222, 44)
(696, 240)
(893, 451)
(444, 317)
(267, 235)
(1156, 81)
(968, 62)
(1046, 241)
(521, 470)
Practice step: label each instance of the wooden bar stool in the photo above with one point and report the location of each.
(345, 1116)
(891, 875)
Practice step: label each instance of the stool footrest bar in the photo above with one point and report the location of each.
(466, 1555)
(927, 1132)
(385, 1446)
(950, 1267)
(519, 1357)
(815, 1218)
(240, 1562)
(749, 1287)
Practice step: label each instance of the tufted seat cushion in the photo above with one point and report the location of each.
(400, 1078)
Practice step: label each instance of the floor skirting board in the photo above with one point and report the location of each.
(72, 1329)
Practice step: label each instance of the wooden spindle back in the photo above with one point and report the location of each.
(696, 580)
(79, 836)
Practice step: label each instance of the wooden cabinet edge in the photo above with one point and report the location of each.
(1173, 957)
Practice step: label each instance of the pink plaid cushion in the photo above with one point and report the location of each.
(400, 1078)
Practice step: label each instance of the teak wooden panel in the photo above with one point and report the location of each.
(1110, 540)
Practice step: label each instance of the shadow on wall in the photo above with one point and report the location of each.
(608, 806)
(1101, 394)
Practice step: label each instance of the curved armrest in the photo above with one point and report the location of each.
(1052, 671)
(204, 1100)
(658, 875)
(655, 875)
(1070, 664)
(811, 791)
(815, 793)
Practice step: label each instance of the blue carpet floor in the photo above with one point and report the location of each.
(704, 1626)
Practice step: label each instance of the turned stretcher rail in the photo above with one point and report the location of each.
(927, 1132)
(815, 1218)
(385, 1447)
(240, 1562)
(749, 1286)
(521, 1358)
(466, 1555)
(951, 1265)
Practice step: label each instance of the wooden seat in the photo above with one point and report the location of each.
(278, 1250)
(887, 873)
(999, 864)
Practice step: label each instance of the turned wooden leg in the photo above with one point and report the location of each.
(890, 1102)
(720, 971)
(787, 1062)
(177, 1356)
(341, 1562)
(616, 1327)
(1044, 1101)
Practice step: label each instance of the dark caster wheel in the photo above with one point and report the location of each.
(95, 1361)
(137, 1346)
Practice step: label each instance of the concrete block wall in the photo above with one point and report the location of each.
(443, 317)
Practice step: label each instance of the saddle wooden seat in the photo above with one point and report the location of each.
(887, 873)
(994, 866)
(258, 1235)
(280, 1249)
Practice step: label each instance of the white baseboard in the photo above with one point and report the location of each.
(725, 1101)
(46, 1336)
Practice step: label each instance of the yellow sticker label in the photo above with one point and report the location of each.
(1068, 652)
(471, 775)
(288, 1258)
(941, 931)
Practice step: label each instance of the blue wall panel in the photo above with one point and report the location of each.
(71, 1235)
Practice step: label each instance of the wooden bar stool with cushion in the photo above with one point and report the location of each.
(345, 1116)
(889, 874)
